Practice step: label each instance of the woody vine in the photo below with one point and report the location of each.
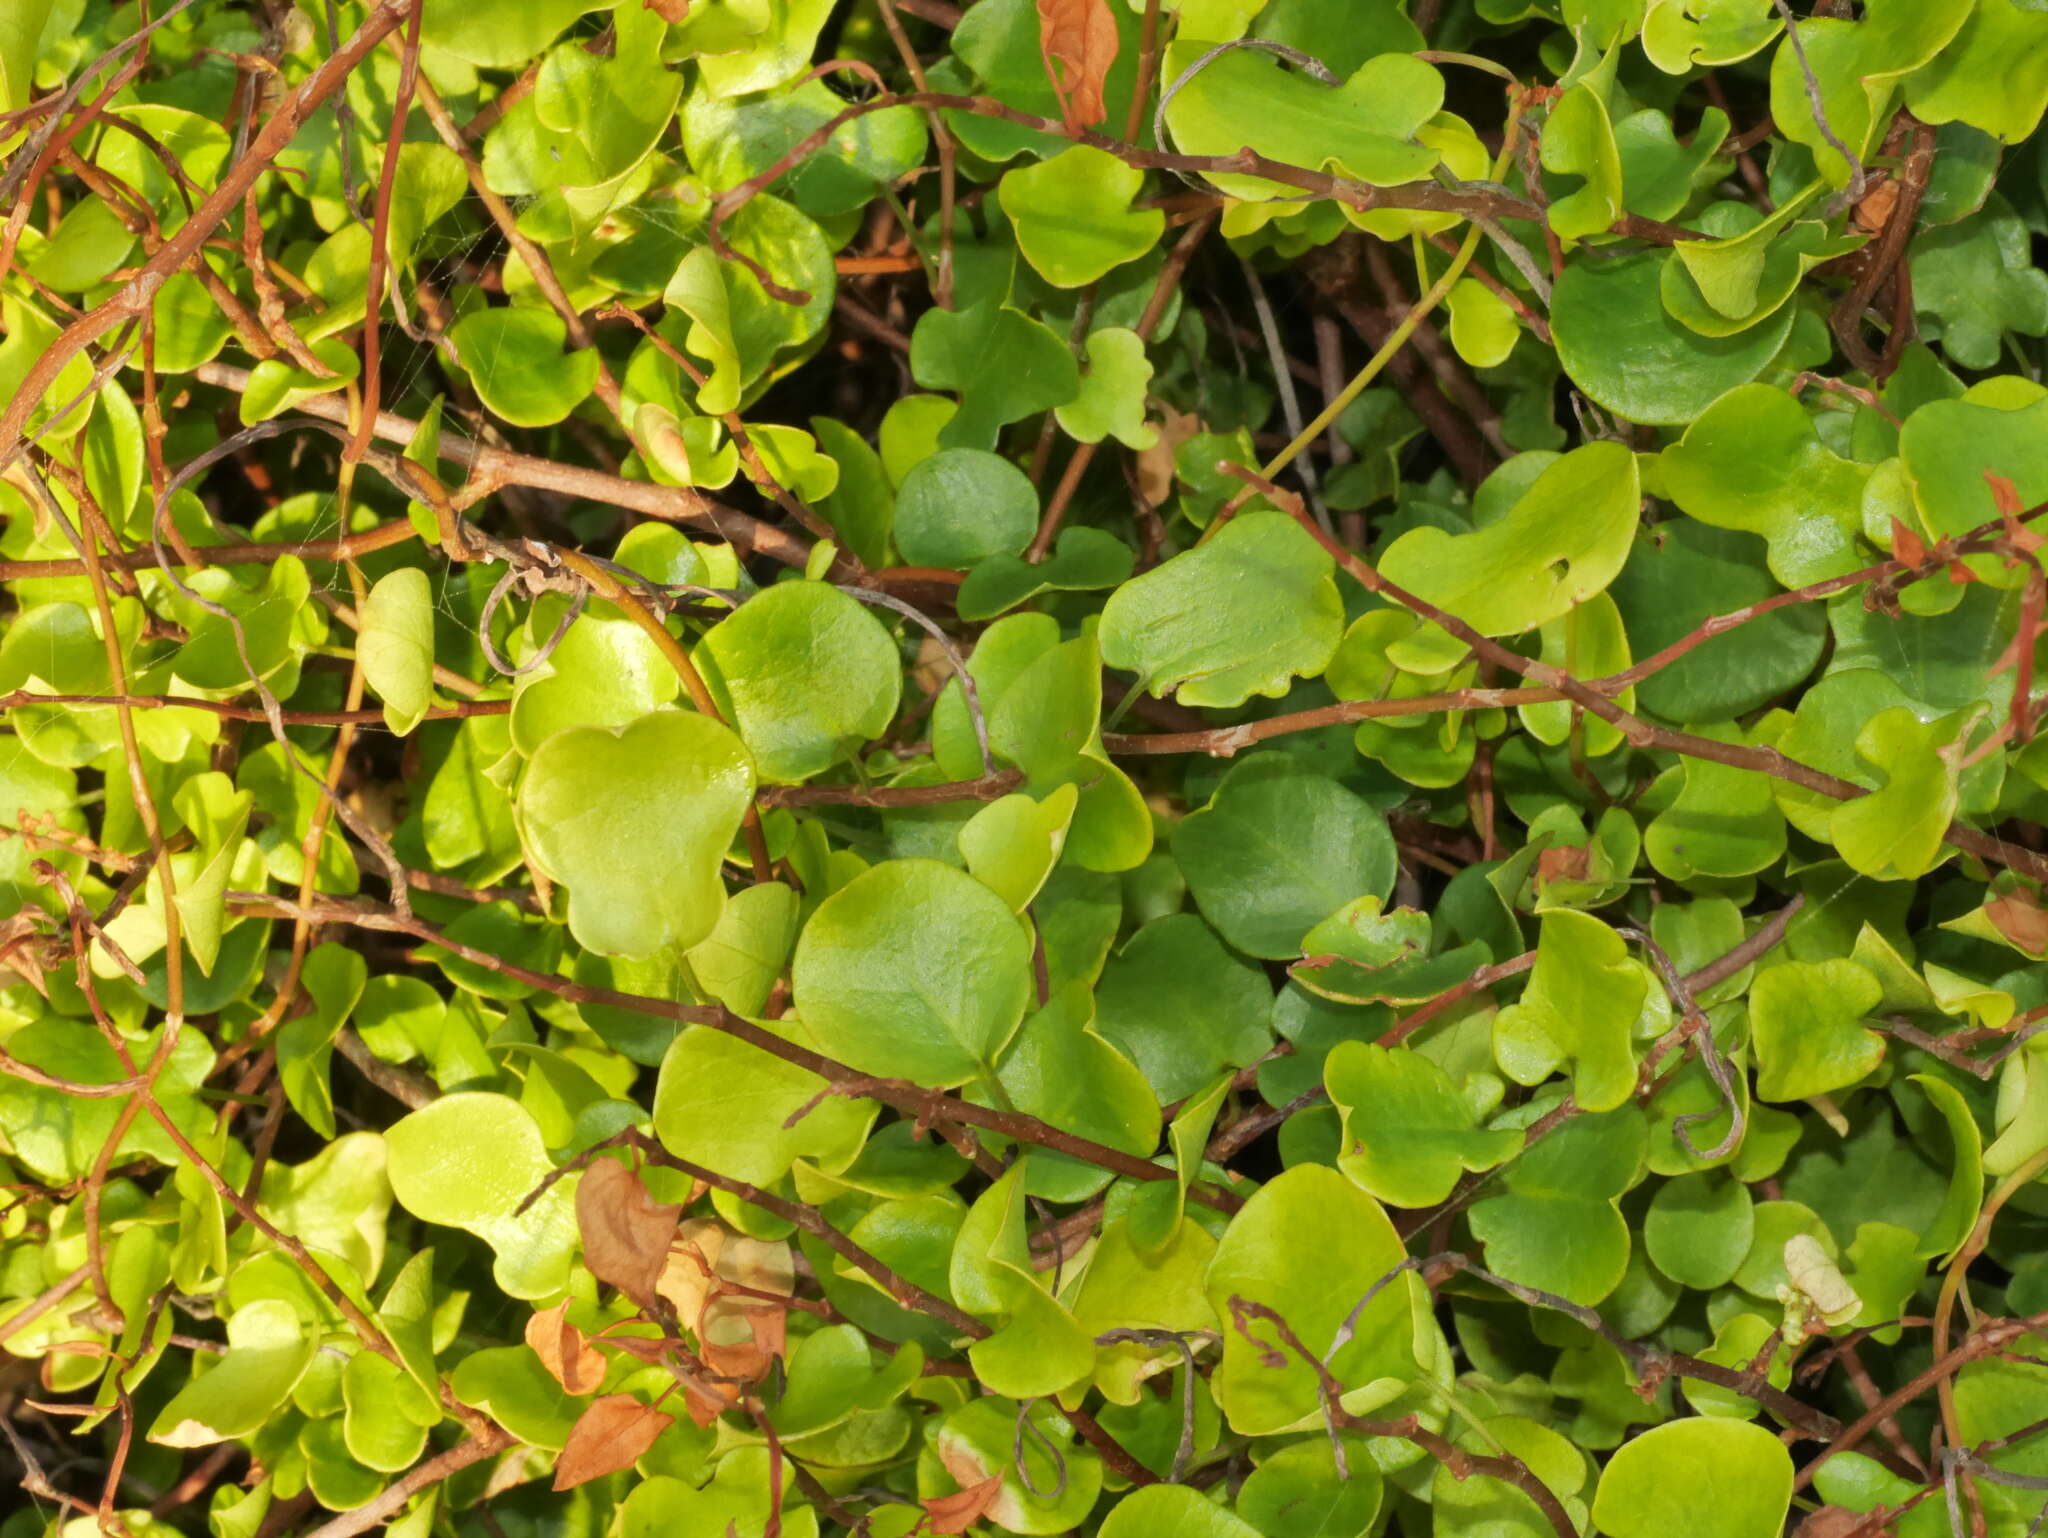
(1244, 768)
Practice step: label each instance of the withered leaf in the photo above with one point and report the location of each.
(1874, 212)
(2021, 920)
(608, 1437)
(1563, 862)
(707, 1400)
(626, 1232)
(1078, 41)
(1841, 1522)
(957, 1513)
(670, 11)
(565, 1351)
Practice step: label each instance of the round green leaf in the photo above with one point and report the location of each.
(635, 824)
(1073, 215)
(810, 675)
(1699, 1478)
(1279, 849)
(1172, 1511)
(913, 970)
(395, 646)
(515, 359)
(1699, 1229)
(960, 506)
(1244, 613)
(1626, 352)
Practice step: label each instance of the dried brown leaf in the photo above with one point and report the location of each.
(1841, 1522)
(608, 1437)
(1078, 41)
(1875, 211)
(706, 1401)
(957, 1513)
(1907, 545)
(670, 11)
(1563, 862)
(565, 1351)
(1156, 464)
(2021, 919)
(626, 1232)
(706, 1256)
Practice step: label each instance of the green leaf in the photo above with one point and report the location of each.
(1557, 1226)
(1806, 1021)
(333, 978)
(1991, 76)
(1677, 34)
(497, 36)
(1700, 1478)
(1580, 1009)
(1895, 832)
(515, 359)
(395, 646)
(467, 1161)
(1753, 462)
(1084, 559)
(269, 1350)
(1578, 140)
(1364, 128)
(1658, 174)
(1723, 287)
(1483, 328)
(1312, 1208)
(962, 506)
(1073, 215)
(609, 111)
(1723, 823)
(407, 1318)
(1486, 1504)
(731, 138)
(1004, 366)
(739, 961)
(1579, 514)
(1061, 1068)
(1966, 1170)
(1183, 1005)
(20, 31)
(1947, 445)
(1278, 849)
(913, 970)
(726, 1104)
(1112, 399)
(862, 506)
(810, 676)
(1975, 280)
(1298, 1493)
(978, 1442)
(1012, 844)
(1856, 65)
(277, 385)
(217, 814)
(1130, 1286)
(636, 824)
(1244, 613)
(1682, 572)
(1172, 1511)
(605, 671)
(1628, 353)
(698, 290)
(1408, 1134)
(1039, 1348)
(1699, 1229)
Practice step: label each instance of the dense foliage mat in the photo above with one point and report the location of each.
(1147, 768)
